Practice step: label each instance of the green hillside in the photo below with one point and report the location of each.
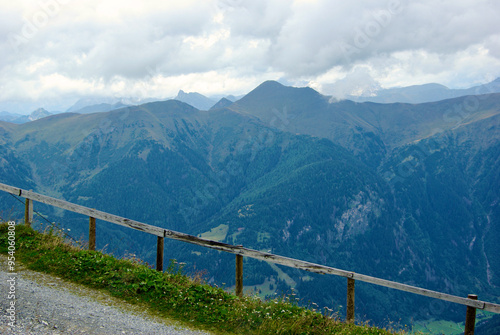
(171, 294)
(398, 191)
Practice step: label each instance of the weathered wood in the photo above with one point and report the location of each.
(239, 276)
(470, 317)
(159, 253)
(490, 307)
(263, 256)
(91, 233)
(311, 267)
(84, 210)
(28, 212)
(422, 291)
(350, 300)
(239, 250)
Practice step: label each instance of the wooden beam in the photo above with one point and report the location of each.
(92, 233)
(263, 256)
(494, 308)
(350, 301)
(239, 276)
(312, 267)
(84, 210)
(422, 291)
(28, 212)
(470, 317)
(239, 250)
(159, 253)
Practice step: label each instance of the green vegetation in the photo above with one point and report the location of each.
(440, 327)
(216, 234)
(396, 191)
(487, 323)
(171, 294)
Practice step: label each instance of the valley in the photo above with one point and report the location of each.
(404, 192)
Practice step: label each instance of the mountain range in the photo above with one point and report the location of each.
(406, 192)
(18, 118)
(196, 100)
(360, 92)
(422, 93)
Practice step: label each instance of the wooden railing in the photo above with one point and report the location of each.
(471, 301)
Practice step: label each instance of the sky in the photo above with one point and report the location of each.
(54, 51)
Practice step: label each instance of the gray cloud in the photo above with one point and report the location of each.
(69, 47)
(327, 33)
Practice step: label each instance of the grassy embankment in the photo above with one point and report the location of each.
(171, 294)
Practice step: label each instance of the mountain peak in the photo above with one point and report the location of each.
(222, 103)
(273, 90)
(194, 99)
(270, 98)
(271, 84)
(38, 114)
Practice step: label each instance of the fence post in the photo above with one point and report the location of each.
(350, 301)
(28, 212)
(470, 317)
(91, 233)
(159, 253)
(239, 276)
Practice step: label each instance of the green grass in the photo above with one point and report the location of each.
(262, 291)
(440, 327)
(171, 294)
(216, 234)
(446, 327)
(282, 275)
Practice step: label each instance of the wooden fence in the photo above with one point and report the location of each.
(471, 301)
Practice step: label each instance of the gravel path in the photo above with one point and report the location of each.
(48, 305)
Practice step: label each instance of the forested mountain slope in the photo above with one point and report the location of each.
(398, 191)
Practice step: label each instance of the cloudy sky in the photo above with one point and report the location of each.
(53, 51)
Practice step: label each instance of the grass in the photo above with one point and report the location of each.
(171, 294)
(216, 234)
(441, 327)
(446, 327)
